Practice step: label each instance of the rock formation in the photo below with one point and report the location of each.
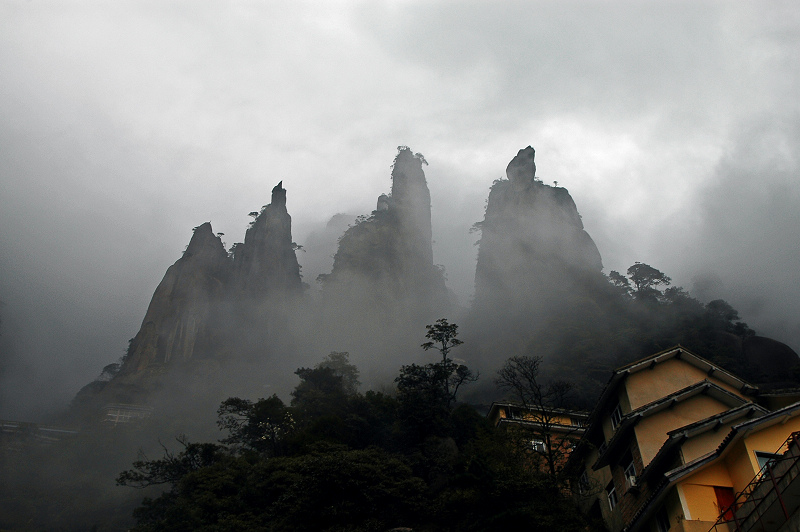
(538, 279)
(176, 324)
(533, 244)
(383, 284)
(389, 255)
(205, 301)
(266, 264)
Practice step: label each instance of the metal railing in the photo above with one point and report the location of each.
(762, 505)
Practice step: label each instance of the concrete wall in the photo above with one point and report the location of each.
(651, 432)
(664, 378)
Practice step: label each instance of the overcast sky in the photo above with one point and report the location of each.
(674, 125)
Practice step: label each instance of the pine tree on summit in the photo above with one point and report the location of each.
(645, 279)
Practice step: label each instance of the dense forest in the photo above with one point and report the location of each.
(337, 459)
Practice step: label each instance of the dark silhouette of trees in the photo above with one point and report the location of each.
(646, 279)
(172, 468)
(443, 338)
(336, 459)
(339, 362)
(262, 426)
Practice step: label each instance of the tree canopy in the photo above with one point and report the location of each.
(338, 460)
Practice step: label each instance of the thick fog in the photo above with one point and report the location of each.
(674, 126)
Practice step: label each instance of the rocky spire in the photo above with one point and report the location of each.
(532, 241)
(521, 171)
(266, 264)
(394, 245)
(412, 205)
(205, 299)
(175, 325)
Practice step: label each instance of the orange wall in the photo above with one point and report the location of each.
(735, 470)
(706, 442)
(651, 432)
(740, 468)
(769, 439)
(664, 378)
(698, 492)
(740, 459)
(502, 413)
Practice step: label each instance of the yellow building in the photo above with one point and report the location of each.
(672, 440)
(562, 421)
(551, 433)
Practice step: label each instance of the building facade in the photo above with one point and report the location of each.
(672, 441)
(550, 434)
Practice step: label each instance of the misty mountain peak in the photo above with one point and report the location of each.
(266, 263)
(189, 316)
(521, 171)
(205, 243)
(533, 246)
(386, 258)
(278, 195)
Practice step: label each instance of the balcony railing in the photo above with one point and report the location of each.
(770, 499)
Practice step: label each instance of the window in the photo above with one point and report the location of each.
(627, 465)
(616, 417)
(575, 422)
(602, 448)
(662, 520)
(765, 458)
(612, 495)
(629, 469)
(538, 446)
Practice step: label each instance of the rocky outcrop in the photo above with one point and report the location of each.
(389, 254)
(384, 287)
(204, 303)
(777, 362)
(176, 325)
(532, 239)
(266, 264)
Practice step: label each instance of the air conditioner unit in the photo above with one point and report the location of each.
(630, 482)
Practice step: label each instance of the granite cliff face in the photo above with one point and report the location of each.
(203, 303)
(538, 279)
(241, 322)
(389, 255)
(266, 264)
(532, 240)
(177, 322)
(383, 283)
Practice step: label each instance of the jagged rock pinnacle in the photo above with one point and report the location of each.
(392, 251)
(532, 241)
(522, 169)
(279, 195)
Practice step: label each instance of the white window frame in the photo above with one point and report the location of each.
(538, 446)
(629, 470)
(616, 417)
(613, 500)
